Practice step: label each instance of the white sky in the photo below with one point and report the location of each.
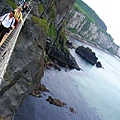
(109, 12)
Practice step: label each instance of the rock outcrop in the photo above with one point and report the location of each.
(87, 54)
(63, 59)
(98, 64)
(55, 101)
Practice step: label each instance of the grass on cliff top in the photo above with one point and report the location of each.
(86, 10)
(77, 7)
(90, 13)
(80, 6)
(11, 3)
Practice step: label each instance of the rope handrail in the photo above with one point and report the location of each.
(7, 52)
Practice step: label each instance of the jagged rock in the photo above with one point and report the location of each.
(57, 67)
(49, 65)
(37, 91)
(55, 101)
(69, 44)
(86, 54)
(72, 110)
(98, 64)
(43, 88)
(63, 59)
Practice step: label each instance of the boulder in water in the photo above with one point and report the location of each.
(87, 54)
(55, 101)
(72, 110)
(99, 65)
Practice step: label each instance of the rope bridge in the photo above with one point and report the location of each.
(7, 48)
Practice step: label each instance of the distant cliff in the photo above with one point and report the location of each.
(90, 13)
(89, 31)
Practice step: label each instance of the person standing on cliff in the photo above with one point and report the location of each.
(7, 23)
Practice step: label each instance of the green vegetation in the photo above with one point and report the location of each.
(52, 31)
(11, 3)
(62, 39)
(79, 7)
(87, 11)
(57, 37)
(41, 22)
(40, 8)
(52, 13)
(111, 50)
(73, 30)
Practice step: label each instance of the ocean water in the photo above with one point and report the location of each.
(94, 93)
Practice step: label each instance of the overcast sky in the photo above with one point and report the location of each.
(109, 12)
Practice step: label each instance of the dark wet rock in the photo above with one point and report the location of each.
(63, 58)
(37, 91)
(57, 67)
(69, 44)
(72, 110)
(66, 68)
(87, 54)
(43, 88)
(99, 65)
(55, 101)
(50, 65)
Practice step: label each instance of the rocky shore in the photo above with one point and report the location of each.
(41, 89)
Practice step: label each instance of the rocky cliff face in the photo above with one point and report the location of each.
(25, 68)
(91, 32)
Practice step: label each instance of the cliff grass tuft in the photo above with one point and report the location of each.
(40, 8)
(52, 13)
(11, 3)
(62, 37)
(52, 31)
(41, 22)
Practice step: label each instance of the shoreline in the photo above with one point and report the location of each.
(69, 34)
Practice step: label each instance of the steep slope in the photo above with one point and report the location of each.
(25, 68)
